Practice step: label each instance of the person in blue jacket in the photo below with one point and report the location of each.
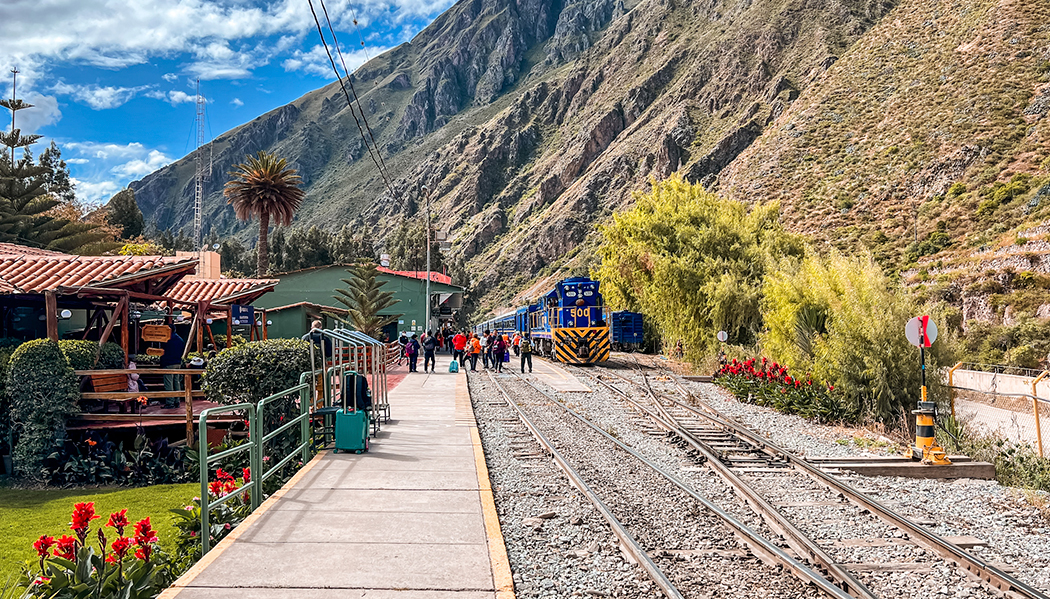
(172, 359)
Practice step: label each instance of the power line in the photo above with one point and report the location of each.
(350, 80)
(350, 104)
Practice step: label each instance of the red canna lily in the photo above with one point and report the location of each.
(118, 520)
(43, 545)
(66, 548)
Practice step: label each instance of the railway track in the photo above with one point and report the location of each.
(782, 488)
(762, 547)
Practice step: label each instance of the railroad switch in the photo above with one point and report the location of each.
(926, 447)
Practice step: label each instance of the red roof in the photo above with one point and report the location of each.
(24, 250)
(36, 273)
(195, 290)
(435, 277)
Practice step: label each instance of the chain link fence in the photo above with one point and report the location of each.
(1013, 403)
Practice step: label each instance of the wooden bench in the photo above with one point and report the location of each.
(113, 383)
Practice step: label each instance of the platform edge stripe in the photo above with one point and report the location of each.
(190, 575)
(502, 578)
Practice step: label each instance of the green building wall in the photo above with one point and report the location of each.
(318, 285)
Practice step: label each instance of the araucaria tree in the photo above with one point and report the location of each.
(266, 187)
(364, 300)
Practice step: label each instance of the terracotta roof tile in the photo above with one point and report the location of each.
(33, 274)
(195, 290)
(14, 249)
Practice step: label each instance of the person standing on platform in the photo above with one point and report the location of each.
(172, 359)
(459, 344)
(412, 351)
(486, 339)
(430, 345)
(516, 342)
(526, 352)
(499, 350)
(403, 342)
(475, 350)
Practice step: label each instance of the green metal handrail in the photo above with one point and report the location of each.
(255, 445)
(206, 460)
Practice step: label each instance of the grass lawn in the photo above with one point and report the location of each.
(25, 515)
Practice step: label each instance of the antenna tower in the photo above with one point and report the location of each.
(203, 172)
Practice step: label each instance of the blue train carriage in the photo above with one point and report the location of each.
(579, 328)
(627, 330)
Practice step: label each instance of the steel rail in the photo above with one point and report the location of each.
(968, 563)
(763, 548)
(777, 521)
(628, 542)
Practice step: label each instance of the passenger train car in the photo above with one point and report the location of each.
(568, 323)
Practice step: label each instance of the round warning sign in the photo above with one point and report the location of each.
(722, 335)
(921, 331)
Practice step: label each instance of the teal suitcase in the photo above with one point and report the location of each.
(351, 426)
(351, 431)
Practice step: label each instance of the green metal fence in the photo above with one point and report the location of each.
(255, 445)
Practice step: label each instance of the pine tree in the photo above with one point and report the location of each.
(364, 300)
(25, 203)
(123, 212)
(56, 181)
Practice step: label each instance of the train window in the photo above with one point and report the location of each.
(588, 293)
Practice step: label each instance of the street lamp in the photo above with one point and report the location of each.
(426, 321)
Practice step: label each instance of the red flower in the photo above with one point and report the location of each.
(788, 380)
(215, 488)
(222, 475)
(43, 545)
(66, 548)
(118, 520)
(144, 532)
(121, 545)
(41, 580)
(831, 387)
(83, 514)
(91, 443)
(247, 473)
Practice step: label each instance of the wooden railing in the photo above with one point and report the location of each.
(109, 377)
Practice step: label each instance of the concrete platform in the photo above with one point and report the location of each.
(413, 518)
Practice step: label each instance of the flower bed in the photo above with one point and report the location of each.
(769, 384)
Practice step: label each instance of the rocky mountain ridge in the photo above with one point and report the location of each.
(532, 121)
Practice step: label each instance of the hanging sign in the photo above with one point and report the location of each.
(156, 333)
(242, 314)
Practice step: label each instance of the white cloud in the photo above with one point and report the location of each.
(98, 97)
(173, 97)
(141, 167)
(315, 61)
(96, 191)
(77, 161)
(170, 77)
(44, 112)
(237, 102)
(105, 151)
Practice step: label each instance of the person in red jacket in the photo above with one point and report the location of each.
(459, 343)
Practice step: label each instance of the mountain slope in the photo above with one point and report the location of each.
(533, 120)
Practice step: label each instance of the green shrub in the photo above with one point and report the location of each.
(252, 371)
(43, 392)
(7, 347)
(235, 340)
(81, 355)
(842, 320)
(957, 189)
(110, 355)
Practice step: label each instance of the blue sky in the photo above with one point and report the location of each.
(113, 81)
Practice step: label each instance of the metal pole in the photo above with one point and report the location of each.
(426, 322)
(14, 84)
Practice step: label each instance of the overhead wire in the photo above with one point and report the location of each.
(350, 80)
(349, 103)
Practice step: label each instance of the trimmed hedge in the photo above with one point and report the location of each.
(252, 371)
(110, 355)
(7, 347)
(81, 354)
(43, 392)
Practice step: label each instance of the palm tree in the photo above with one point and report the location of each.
(264, 186)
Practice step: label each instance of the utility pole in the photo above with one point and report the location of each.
(426, 323)
(14, 86)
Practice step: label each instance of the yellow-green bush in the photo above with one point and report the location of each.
(841, 319)
(692, 263)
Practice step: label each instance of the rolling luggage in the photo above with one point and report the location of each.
(351, 426)
(453, 366)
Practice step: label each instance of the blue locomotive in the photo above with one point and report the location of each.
(627, 331)
(568, 323)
